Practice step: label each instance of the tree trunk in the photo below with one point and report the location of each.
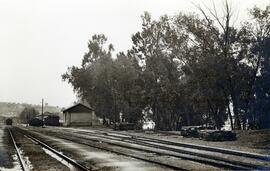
(236, 113)
(230, 116)
(214, 113)
(237, 119)
(188, 119)
(244, 121)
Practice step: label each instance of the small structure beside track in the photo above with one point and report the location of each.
(80, 115)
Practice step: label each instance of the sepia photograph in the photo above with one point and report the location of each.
(134, 85)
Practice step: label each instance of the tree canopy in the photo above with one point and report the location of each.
(27, 114)
(182, 70)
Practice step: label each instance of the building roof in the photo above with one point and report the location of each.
(46, 115)
(79, 108)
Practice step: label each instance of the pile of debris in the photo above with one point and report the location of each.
(217, 135)
(124, 126)
(190, 132)
(208, 134)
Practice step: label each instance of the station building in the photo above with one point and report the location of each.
(80, 115)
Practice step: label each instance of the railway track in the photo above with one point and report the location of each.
(23, 166)
(194, 146)
(172, 146)
(68, 160)
(79, 141)
(159, 147)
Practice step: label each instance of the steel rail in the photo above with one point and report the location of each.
(119, 153)
(66, 158)
(69, 160)
(236, 164)
(23, 166)
(199, 147)
(204, 160)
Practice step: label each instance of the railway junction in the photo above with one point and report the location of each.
(62, 148)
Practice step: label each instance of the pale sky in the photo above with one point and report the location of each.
(39, 39)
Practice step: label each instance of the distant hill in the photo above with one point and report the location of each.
(9, 109)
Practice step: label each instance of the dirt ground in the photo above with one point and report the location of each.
(258, 139)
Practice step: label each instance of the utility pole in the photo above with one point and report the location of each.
(27, 124)
(42, 113)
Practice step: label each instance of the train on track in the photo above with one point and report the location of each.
(49, 120)
(9, 121)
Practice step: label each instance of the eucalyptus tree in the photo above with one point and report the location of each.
(203, 67)
(128, 87)
(154, 46)
(184, 69)
(258, 93)
(92, 80)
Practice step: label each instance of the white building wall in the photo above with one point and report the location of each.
(81, 119)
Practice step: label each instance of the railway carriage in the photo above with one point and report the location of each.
(9, 121)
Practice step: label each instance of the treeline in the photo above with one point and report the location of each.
(182, 70)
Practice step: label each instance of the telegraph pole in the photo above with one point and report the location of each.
(42, 113)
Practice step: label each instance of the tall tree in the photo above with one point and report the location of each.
(184, 69)
(27, 114)
(92, 81)
(258, 93)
